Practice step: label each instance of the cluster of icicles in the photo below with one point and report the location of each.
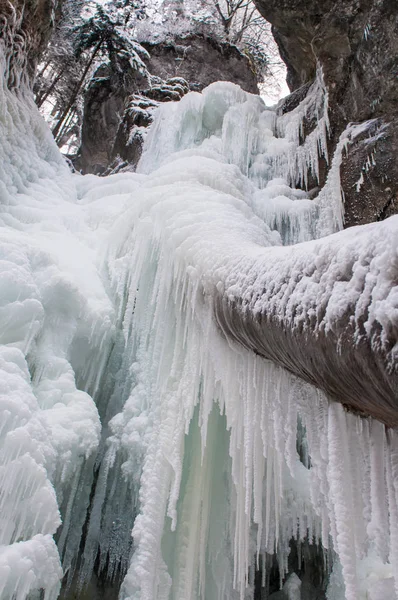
(212, 457)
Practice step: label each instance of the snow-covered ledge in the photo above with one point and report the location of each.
(327, 311)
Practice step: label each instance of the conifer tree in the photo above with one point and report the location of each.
(68, 66)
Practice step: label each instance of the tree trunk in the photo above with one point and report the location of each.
(64, 129)
(46, 65)
(42, 98)
(71, 102)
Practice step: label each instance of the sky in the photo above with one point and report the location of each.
(273, 95)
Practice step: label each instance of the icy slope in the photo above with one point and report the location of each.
(109, 289)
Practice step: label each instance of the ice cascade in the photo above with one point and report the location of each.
(123, 406)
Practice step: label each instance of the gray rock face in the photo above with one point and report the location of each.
(104, 107)
(369, 175)
(355, 375)
(200, 60)
(103, 111)
(356, 44)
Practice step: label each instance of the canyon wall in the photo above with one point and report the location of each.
(355, 42)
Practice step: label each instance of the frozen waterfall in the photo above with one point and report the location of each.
(180, 463)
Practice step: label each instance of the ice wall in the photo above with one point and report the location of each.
(108, 316)
(51, 297)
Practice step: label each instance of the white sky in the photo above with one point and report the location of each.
(271, 98)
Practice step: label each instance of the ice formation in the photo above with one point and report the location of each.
(123, 406)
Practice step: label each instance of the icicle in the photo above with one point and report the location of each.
(341, 498)
(392, 483)
(378, 527)
(303, 158)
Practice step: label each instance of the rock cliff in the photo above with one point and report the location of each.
(201, 60)
(115, 116)
(356, 44)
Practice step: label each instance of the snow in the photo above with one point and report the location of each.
(112, 361)
(28, 566)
